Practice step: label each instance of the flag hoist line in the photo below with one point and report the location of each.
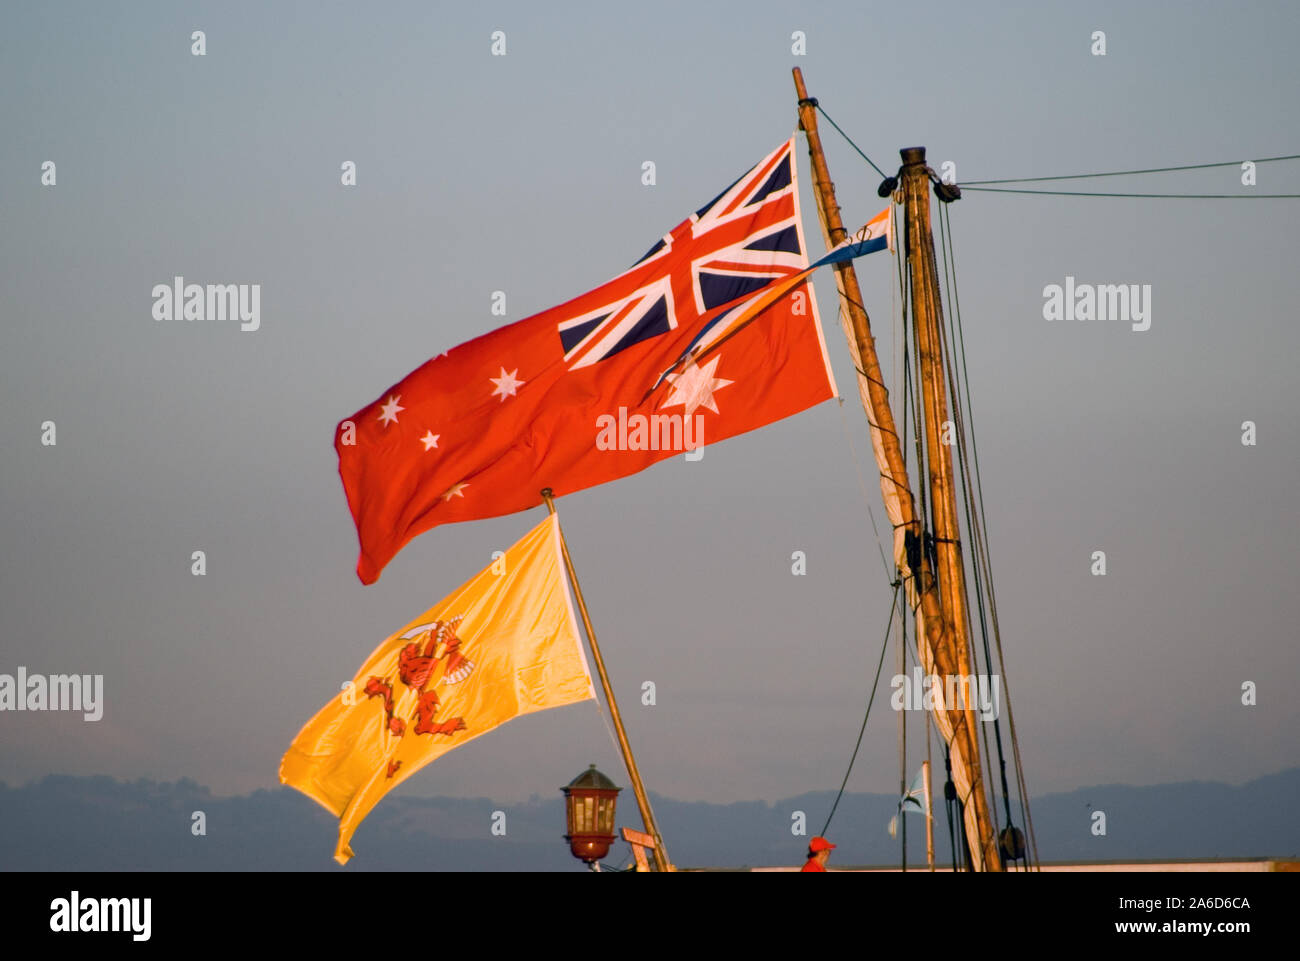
(642, 800)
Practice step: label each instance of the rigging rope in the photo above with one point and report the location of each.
(977, 524)
(978, 184)
(874, 684)
(968, 462)
(1084, 193)
(961, 414)
(862, 486)
(1021, 786)
(958, 424)
(949, 803)
(972, 487)
(850, 140)
(1124, 173)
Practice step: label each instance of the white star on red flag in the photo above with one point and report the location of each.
(390, 410)
(694, 386)
(507, 384)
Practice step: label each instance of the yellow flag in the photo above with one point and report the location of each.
(503, 645)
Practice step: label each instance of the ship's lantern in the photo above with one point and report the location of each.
(589, 802)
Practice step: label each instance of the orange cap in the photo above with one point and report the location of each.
(819, 844)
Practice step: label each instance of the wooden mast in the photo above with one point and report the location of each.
(928, 314)
(894, 480)
(625, 746)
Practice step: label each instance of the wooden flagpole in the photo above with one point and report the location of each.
(929, 813)
(643, 801)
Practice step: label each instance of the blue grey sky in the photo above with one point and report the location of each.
(522, 173)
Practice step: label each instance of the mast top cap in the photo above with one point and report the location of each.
(913, 155)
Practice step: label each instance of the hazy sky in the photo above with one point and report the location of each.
(522, 173)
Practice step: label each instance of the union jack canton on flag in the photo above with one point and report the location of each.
(744, 239)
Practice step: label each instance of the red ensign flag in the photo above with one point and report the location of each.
(566, 398)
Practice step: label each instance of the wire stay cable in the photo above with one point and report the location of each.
(1127, 173)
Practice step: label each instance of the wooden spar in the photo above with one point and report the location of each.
(901, 671)
(893, 472)
(642, 800)
(929, 815)
(929, 799)
(928, 314)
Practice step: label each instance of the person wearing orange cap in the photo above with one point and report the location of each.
(819, 851)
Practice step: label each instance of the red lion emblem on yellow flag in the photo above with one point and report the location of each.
(430, 645)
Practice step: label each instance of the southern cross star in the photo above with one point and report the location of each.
(507, 384)
(389, 410)
(694, 387)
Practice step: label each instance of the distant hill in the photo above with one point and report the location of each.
(101, 824)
